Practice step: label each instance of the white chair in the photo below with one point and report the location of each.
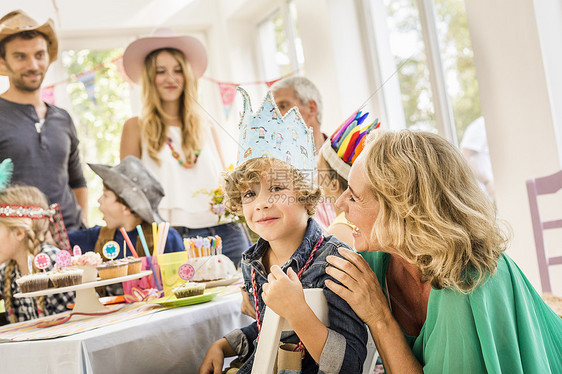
(372, 356)
(273, 325)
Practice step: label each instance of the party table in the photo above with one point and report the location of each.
(153, 340)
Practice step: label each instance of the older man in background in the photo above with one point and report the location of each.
(302, 93)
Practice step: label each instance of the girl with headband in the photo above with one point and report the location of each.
(25, 217)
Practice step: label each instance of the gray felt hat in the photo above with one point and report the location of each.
(135, 184)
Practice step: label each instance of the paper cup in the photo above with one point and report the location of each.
(169, 264)
(144, 282)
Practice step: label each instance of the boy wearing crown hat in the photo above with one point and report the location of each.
(272, 187)
(40, 138)
(131, 194)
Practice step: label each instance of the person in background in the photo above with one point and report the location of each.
(40, 138)
(173, 139)
(474, 147)
(433, 282)
(335, 158)
(300, 92)
(24, 231)
(130, 197)
(277, 197)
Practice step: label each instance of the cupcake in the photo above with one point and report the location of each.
(33, 282)
(135, 265)
(189, 289)
(66, 277)
(112, 269)
(87, 262)
(88, 258)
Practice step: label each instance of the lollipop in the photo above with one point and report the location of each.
(111, 250)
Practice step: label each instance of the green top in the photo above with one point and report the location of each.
(503, 326)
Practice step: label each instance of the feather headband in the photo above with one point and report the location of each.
(347, 142)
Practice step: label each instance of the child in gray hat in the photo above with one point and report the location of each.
(130, 197)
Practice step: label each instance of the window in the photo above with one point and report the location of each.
(407, 47)
(98, 119)
(432, 53)
(280, 47)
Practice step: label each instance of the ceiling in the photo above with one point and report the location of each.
(80, 17)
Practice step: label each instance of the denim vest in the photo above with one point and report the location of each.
(345, 349)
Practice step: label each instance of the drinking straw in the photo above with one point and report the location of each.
(154, 238)
(160, 237)
(148, 258)
(164, 238)
(133, 251)
(143, 241)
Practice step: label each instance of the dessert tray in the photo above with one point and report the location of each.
(172, 301)
(86, 299)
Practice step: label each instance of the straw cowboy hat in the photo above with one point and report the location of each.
(17, 21)
(135, 184)
(136, 52)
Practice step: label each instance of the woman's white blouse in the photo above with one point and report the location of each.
(186, 202)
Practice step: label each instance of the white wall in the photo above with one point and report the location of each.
(520, 119)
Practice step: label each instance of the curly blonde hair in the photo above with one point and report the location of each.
(36, 233)
(432, 211)
(236, 182)
(152, 121)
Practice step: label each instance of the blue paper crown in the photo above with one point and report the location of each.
(269, 134)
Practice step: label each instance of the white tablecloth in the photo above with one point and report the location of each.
(169, 341)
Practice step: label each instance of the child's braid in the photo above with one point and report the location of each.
(10, 267)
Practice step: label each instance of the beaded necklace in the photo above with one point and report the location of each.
(177, 156)
(254, 284)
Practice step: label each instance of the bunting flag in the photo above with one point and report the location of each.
(48, 94)
(228, 92)
(271, 83)
(119, 65)
(88, 80)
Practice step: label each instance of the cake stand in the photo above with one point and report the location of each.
(86, 301)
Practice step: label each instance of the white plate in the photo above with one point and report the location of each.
(220, 282)
(82, 286)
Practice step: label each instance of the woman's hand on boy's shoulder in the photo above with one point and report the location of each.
(283, 293)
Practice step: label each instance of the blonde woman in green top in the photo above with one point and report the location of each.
(433, 283)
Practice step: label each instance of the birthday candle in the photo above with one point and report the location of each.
(192, 248)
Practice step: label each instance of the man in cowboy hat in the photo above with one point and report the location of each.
(40, 138)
